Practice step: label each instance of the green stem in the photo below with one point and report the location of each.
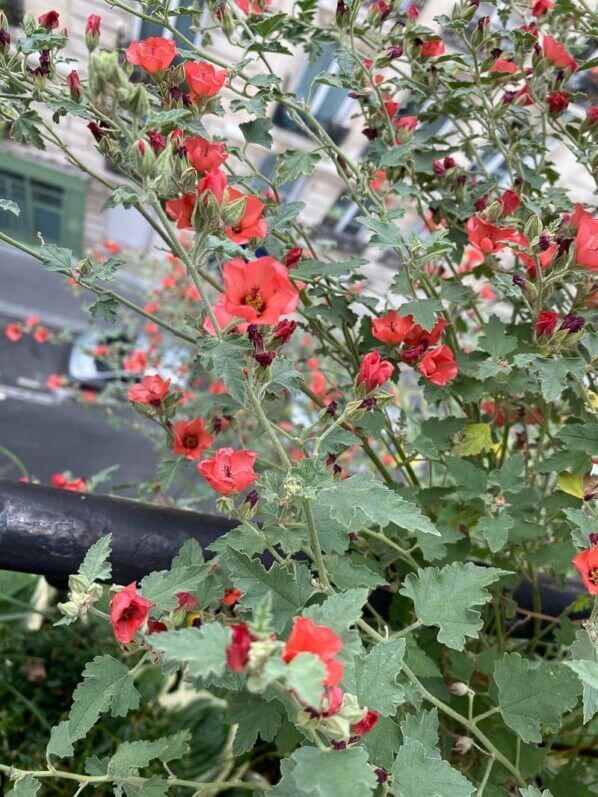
(130, 779)
(487, 772)
(314, 544)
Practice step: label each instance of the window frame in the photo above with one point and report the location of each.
(74, 191)
(166, 33)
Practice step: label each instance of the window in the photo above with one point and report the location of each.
(52, 203)
(13, 10)
(329, 104)
(341, 224)
(186, 24)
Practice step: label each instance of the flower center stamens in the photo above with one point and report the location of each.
(255, 299)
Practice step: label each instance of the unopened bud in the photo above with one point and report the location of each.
(92, 32)
(29, 23)
(533, 228)
(74, 84)
(142, 157)
(459, 689)
(232, 213)
(463, 745)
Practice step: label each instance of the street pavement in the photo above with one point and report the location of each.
(48, 430)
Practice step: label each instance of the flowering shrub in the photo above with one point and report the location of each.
(401, 469)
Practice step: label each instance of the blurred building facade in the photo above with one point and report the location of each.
(66, 205)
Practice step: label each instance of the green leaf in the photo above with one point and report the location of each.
(290, 585)
(106, 309)
(106, 685)
(581, 437)
(293, 163)
(424, 311)
(476, 438)
(339, 611)
(27, 786)
(60, 741)
(133, 756)
(553, 375)
(310, 269)
(572, 484)
(202, 649)
(423, 728)
(419, 774)
(382, 743)
(585, 666)
(280, 216)
(495, 340)
(531, 695)
(55, 258)
(531, 791)
(361, 500)
(349, 572)
(254, 717)
(96, 564)
(445, 598)
(373, 678)
(257, 132)
(584, 526)
(10, 207)
(386, 234)
(161, 586)
(305, 675)
(25, 129)
(225, 359)
(495, 530)
(330, 773)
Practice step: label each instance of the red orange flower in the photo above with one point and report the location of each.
(49, 20)
(438, 365)
(488, 237)
(432, 48)
(374, 371)
(152, 390)
(366, 724)
(154, 54)
(63, 482)
(205, 155)
(231, 596)
(204, 79)
(557, 54)
(252, 223)
(586, 243)
(229, 471)
(181, 210)
(259, 292)
(307, 637)
(128, 612)
(546, 323)
(13, 331)
(191, 438)
(135, 362)
(237, 653)
(586, 563)
(393, 328)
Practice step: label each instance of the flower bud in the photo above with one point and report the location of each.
(74, 84)
(92, 32)
(232, 213)
(136, 99)
(460, 689)
(463, 745)
(29, 23)
(142, 157)
(533, 228)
